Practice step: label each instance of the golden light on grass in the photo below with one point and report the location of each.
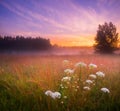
(26, 78)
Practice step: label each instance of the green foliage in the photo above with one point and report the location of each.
(23, 94)
(106, 38)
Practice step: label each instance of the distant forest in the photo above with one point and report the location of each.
(21, 43)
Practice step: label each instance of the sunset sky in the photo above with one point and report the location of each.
(64, 22)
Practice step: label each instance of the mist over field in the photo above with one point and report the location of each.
(61, 51)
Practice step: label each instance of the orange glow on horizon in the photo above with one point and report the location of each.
(72, 41)
(65, 40)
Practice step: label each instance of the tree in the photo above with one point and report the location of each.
(21, 43)
(106, 40)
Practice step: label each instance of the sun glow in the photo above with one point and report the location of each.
(74, 25)
(73, 41)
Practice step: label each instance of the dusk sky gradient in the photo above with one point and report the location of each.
(64, 22)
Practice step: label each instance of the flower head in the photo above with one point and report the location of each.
(80, 64)
(66, 79)
(105, 90)
(100, 74)
(86, 88)
(89, 81)
(54, 95)
(93, 76)
(48, 93)
(92, 66)
(69, 71)
(65, 97)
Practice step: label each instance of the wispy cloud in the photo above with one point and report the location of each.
(62, 18)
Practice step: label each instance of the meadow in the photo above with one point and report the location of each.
(59, 82)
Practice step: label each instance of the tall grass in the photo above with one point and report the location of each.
(24, 80)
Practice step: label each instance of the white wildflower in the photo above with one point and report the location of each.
(93, 76)
(91, 66)
(80, 64)
(54, 95)
(65, 97)
(100, 74)
(86, 88)
(89, 81)
(61, 85)
(48, 93)
(69, 71)
(105, 90)
(66, 79)
(58, 95)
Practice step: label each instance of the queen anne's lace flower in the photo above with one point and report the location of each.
(48, 93)
(91, 66)
(65, 97)
(69, 71)
(105, 90)
(93, 76)
(66, 79)
(89, 81)
(80, 64)
(100, 74)
(86, 88)
(54, 95)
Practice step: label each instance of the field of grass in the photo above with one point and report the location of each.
(24, 79)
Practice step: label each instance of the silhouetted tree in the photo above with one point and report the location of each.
(106, 40)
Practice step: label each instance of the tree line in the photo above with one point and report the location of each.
(106, 41)
(21, 43)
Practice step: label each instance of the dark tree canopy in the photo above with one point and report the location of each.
(20, 43)
(106, 40)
